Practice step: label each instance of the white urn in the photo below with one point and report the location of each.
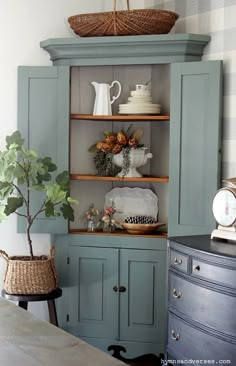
(130, 161)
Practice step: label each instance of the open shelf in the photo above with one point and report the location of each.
(148, 178)
(117, 233)
(121, 117)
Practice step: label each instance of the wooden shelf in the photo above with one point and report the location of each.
(117, 233)
(121, 117)
(133, 179)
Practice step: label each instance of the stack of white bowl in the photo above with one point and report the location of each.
(140, 102)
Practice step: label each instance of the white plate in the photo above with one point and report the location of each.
(137, 111)
(132, 202)
(139, 105)
(142, 106)
(140, 98)
(140, 113)
(140, 93)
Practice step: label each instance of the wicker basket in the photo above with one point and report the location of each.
(123, 23)
(30, 277)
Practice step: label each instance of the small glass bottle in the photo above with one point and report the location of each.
(91, 225)
(107, 227)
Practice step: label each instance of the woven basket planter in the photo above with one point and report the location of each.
(30, 277)
(123, 23)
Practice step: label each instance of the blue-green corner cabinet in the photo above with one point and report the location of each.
(114, 287)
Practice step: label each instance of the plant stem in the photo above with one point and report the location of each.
(29, 219)
(17, 213)
(20, 193)
(29, 240)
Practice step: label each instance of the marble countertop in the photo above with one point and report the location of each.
(28, 341)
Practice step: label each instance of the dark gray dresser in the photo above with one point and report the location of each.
(201, 301)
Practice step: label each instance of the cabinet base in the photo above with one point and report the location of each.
(148, 359)
(131, 351)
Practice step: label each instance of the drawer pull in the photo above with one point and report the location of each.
(196, 268)
(176, 294)
(175, 337)
(178, 261)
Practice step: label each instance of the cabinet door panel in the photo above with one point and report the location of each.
(194, 146)
(142, 306)
(43, 119)
(93, 305)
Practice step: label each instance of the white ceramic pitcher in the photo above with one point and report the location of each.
(103, 102)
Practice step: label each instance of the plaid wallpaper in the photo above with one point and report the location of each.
(217, 18)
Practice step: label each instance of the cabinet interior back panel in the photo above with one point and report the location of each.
(83, 92)
(129, 76)
(160, 86)
(87, 193)
(161, 190)
(86, 133)
(83, 135)
(159, 143)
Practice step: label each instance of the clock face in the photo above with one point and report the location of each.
(224, 207)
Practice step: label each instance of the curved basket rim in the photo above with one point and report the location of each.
(26, 258)
(163, 11)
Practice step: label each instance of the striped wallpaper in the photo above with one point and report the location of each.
(218, 19)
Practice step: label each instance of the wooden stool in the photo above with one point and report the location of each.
(24, 299)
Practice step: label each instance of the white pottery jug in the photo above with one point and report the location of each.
(103, 102)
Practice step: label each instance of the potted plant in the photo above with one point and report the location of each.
(122, 149)
(22, 171)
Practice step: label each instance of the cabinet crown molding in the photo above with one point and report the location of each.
(151, 49)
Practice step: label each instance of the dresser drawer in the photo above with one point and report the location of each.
(179, 261)
(214, 273)
(187, 342)
(204, 305)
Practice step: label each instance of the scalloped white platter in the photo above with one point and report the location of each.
(132, 202)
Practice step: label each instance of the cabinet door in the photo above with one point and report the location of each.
(142, 306)
(43, 119)
(194, 146)
(93, 305)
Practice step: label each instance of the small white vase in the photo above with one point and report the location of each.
(137, 158)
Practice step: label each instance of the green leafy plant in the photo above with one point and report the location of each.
(22, 171)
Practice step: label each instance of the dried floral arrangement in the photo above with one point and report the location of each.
(115, 143)
(91, 213)
(107, 222)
